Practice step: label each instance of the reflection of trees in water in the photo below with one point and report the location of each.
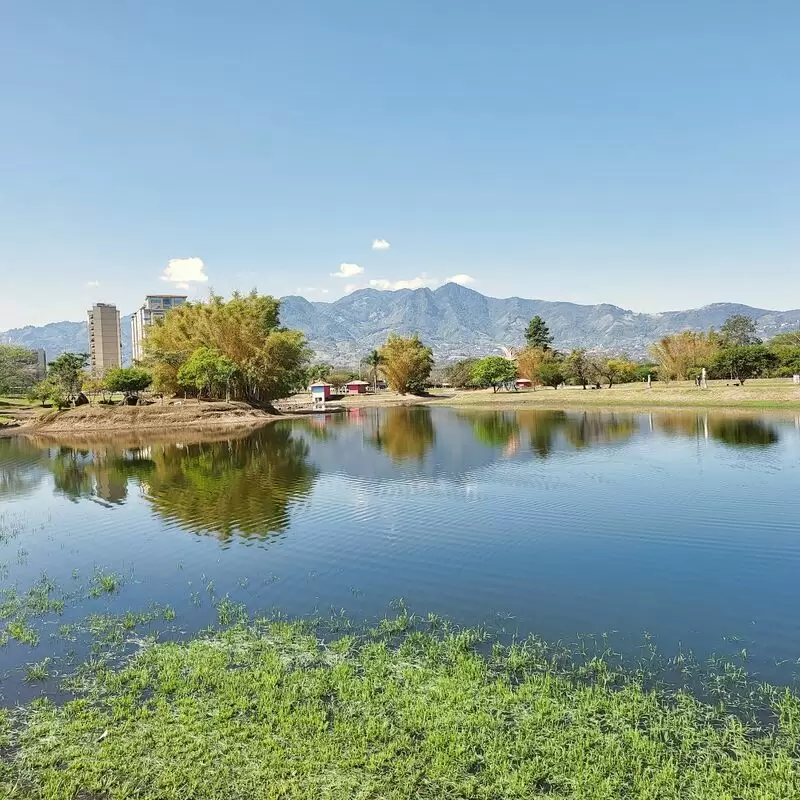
(730, 430)
(403, 433)
(541, 428)
(233, 486)
(742, 432)
(22, 467)
(504, 428)
(498, 429)
(243, 486)
(594, 427)
(494, 428)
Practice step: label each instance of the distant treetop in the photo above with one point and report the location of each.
(739, 331)
(537, 334)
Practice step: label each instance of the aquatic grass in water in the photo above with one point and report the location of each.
(19, 630)
(270, 709)
(37, 672)
(104, 582)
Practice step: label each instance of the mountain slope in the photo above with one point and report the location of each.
(457, 322)
(63, 337)
(454, 320)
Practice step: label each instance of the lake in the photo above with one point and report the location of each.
(682, 525)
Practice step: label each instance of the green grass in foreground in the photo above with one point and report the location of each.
(266, 710)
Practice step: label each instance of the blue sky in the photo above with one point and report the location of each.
(644, 154)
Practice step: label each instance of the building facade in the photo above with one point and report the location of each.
(105, 348)
(155, 308)
(41, 364)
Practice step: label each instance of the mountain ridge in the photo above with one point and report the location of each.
(456, 321)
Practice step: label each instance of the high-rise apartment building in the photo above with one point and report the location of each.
(154, 308)
(105, 348)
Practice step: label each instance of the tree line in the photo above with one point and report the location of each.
(734, 352)
(542, 365)
(19, 368)
(237, 349)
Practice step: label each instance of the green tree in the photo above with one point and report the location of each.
(494, 371)
(787, 339)
(529, 361)
(742, 362)
(373, 361)
(551, 373)
(270, 361)
(786, 347)
(339, 376)
(207, 372)
(459, 374)
(96, 386)
(67, 373)
(406, 363)
(681, 354)
(739, 331)
(537, 334)
(128, 380)
(619, 370)
(319, 372)
(578, 367)
(49, 392)
(18, 368)
(787, 360)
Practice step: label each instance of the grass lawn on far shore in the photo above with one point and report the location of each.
(768, 393)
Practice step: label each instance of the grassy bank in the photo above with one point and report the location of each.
(268, 710)
(757, 394)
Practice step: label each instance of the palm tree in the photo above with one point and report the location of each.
(373, 361)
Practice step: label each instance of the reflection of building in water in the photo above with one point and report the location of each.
(110, 485)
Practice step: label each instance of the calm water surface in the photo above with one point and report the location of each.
(683, 525)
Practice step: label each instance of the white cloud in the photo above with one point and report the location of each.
(92, 284)
(182, 285)
(380, 244)
(347, 271)
(183, 271)
(464, 280)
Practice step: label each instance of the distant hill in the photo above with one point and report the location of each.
(455, 321)
(458, 322)
(63, 337)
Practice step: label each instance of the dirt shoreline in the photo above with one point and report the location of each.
(157, 418)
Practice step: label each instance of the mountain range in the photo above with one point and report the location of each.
(454, 320)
